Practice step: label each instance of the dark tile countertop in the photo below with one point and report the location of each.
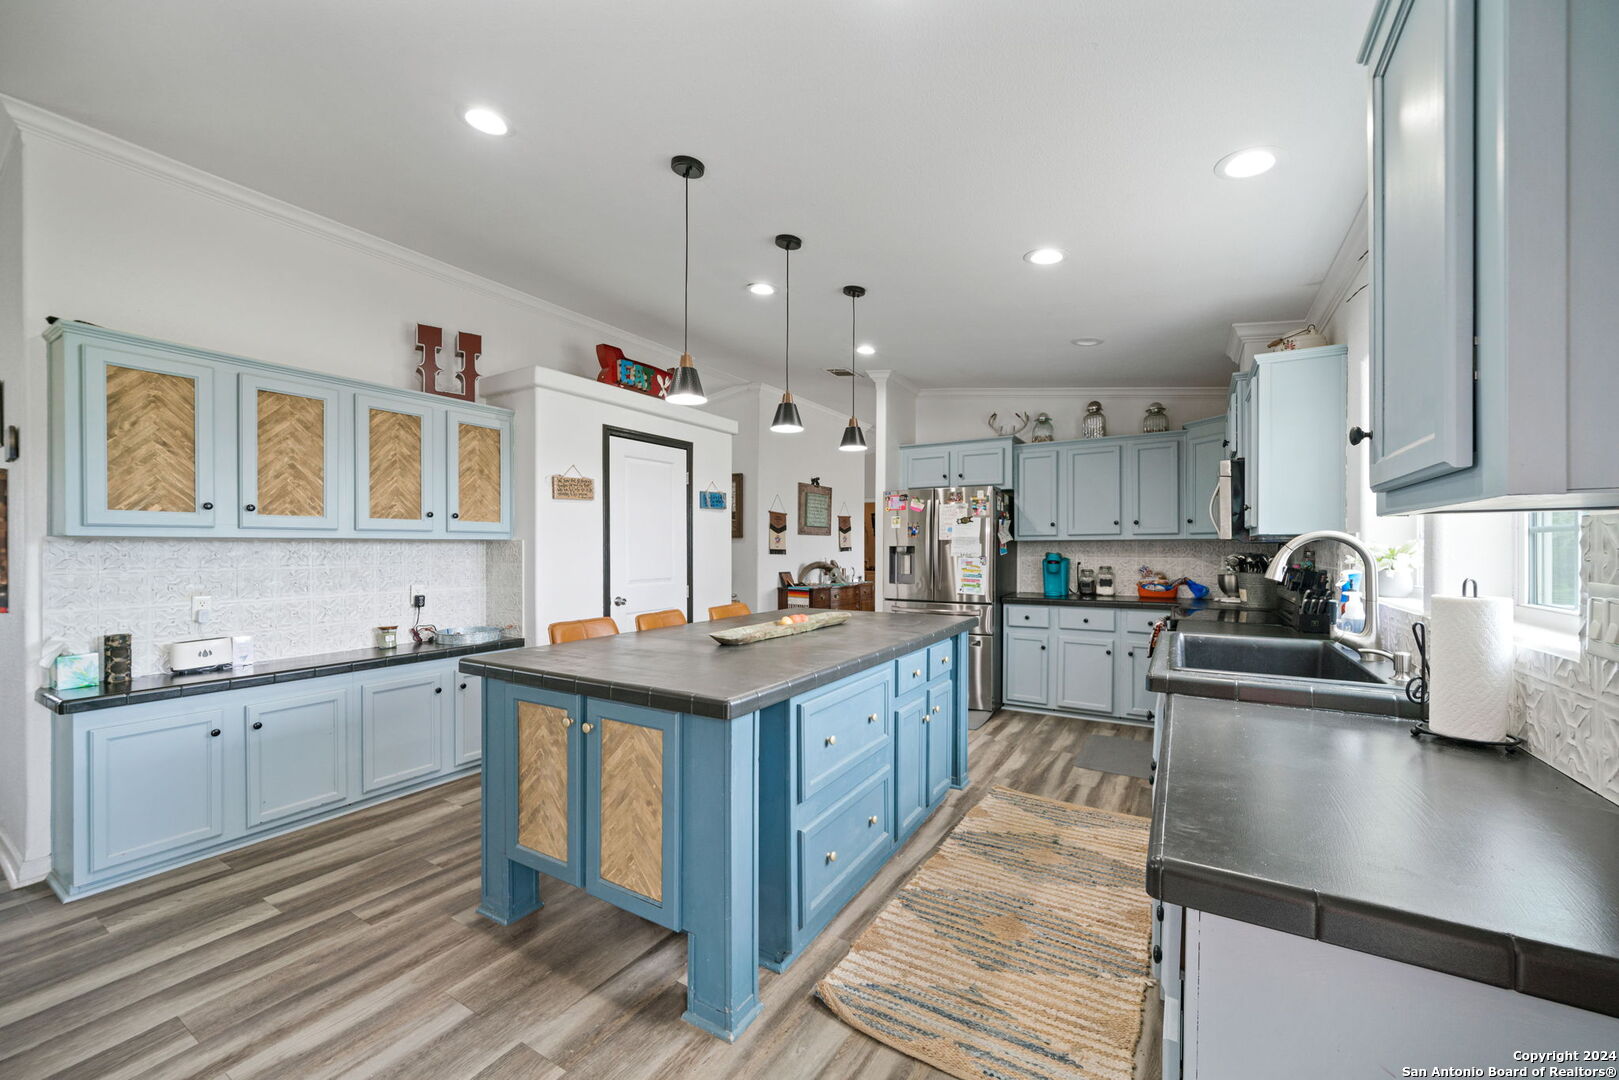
(1344, 828)
(160, 687)
(1119, 600)
(682, 669)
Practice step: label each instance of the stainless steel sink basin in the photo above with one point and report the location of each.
(1279, 658)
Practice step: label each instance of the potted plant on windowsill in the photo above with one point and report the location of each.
(1394, 569)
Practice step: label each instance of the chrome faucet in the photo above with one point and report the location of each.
(1363, 641)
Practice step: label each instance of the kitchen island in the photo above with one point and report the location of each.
(741, 795)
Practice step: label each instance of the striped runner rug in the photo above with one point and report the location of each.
(1018, 951)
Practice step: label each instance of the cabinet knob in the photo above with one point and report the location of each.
(1188, 521)
(1042, 648)
(250, 508)
(456, 514)
(831, 740)
(257, 724)
(831, 856)
(1053, 524)
(872, 820)
(1110, 652)
(567, 721)
(1137, 521)
(944, 659)
(207, 506)
(872, 719)
(1115, 521)
(1085, 621)
(430, 513)
(1358, 435)
(587, 727)
(1131, 653)
(936, 708)
(917, 674)
(214, 733)
(463, 686)
(438, 689)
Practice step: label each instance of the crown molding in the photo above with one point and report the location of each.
(1069, 391)
(1347, 267)
(886, 377)
(1247, 338)
(40, 123)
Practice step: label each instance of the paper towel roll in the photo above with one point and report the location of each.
(1470, 684)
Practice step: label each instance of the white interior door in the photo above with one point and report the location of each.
(649, 528)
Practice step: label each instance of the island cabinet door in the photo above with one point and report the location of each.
(544, 747)
(632, 808)
(941, 732)
(910, 763)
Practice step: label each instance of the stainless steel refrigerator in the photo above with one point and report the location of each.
(944, 556)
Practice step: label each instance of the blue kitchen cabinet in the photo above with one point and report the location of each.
(1154, 469)
(1027, 666)
(142, 433)
(153, 787)
(477, 471)
(1036, 506)
(1297, 458)
(1204, 450)
(468, 745)
(1092, 490)
(1133, 655)
(979, 463)
(1492, 239)
(296, 753)
(940, 726)
(289, 454)
(632, 808)
(911, 762)
(150, 438)
(1084, 670)
(538, 740)
(401, 729)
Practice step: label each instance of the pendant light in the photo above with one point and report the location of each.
(854, 440)
(787, 421)
(687, 388)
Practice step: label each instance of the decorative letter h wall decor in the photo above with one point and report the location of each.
(468, 348)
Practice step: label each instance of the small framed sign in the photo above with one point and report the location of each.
(814, 509)
(577, 487)
(711, 498)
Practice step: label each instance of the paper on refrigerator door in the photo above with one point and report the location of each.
(970, 575)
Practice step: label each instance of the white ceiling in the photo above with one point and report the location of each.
(919, 148)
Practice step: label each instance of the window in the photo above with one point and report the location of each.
(1549, 570)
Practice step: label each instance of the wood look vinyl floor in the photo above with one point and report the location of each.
(351, 949)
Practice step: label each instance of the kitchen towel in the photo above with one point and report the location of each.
(1470, 684)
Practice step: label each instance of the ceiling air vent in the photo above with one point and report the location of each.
(840, 372)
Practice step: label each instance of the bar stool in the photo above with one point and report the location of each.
(580, 629)
(728, 611)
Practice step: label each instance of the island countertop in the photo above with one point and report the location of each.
(682, 669)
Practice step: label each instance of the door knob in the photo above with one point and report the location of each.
(619, 601)
(587, 727)
(1358, 435)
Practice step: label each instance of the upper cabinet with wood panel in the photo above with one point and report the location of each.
(1494, 254)
(154, 439)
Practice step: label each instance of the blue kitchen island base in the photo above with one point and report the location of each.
(748, 832)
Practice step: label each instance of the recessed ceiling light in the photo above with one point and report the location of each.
(1044, 256)
(485, 120)
(1086, 342)
(1243, 164)
(866, 350)
(761, 288)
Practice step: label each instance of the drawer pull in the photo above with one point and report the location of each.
(872, 820)
(831, 856)
(944, 659)
(587, 727)
(872, 719)
(917, 674)
(937, 708)
(831, 740)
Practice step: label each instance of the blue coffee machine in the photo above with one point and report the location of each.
(1056, 574)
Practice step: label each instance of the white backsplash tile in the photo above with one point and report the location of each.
(296, 597)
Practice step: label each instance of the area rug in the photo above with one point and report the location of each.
(1115, 754)
(1018, 950)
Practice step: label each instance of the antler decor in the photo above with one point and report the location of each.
(1023, 422)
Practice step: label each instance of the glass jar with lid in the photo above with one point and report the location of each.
(1104, 581)
(1156, 419)
(1094, 425)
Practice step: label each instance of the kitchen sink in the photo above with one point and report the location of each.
(1280, 658)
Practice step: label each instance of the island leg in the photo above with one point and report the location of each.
(510, 889)
(720, 872)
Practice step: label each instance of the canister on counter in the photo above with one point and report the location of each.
(117, 656)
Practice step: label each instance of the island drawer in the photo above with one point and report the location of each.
(939, 658)
(839, 727)
(1085, 618)
(910, 671)
(1027, 615)
(835, 847)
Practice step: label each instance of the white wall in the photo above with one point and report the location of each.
(117, 235)
(772, 466)
(946, 415)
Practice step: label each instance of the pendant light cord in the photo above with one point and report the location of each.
(787, 322)
(685, 309)
(854, 364)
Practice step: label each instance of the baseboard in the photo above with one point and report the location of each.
(20, 871)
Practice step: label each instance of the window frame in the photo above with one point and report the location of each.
(1556, 619)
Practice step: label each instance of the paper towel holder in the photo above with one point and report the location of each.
(1466, 581)
(1510, 744)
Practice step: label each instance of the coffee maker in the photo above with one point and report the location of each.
(1055, 568)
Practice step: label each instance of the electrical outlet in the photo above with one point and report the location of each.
(202, 608)
(418, 596)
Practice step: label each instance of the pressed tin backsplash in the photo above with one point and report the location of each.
(296, 597)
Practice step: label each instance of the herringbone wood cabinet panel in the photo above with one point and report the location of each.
(632, 807)
(542, 779)
(395, 465)
(478, 472)
(151, 441)
(291, 455)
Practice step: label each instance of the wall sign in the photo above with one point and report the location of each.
(577, 487)
(619, 370)
(778, 532)
(845, 534)
(468, 349)
(814, 509)
(711, 498)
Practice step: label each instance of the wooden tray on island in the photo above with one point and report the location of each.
(747, 635)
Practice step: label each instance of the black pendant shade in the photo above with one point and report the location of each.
(687, 388)
(787, 421)
(854, 440)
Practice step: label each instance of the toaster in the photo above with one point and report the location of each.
(199, 654)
